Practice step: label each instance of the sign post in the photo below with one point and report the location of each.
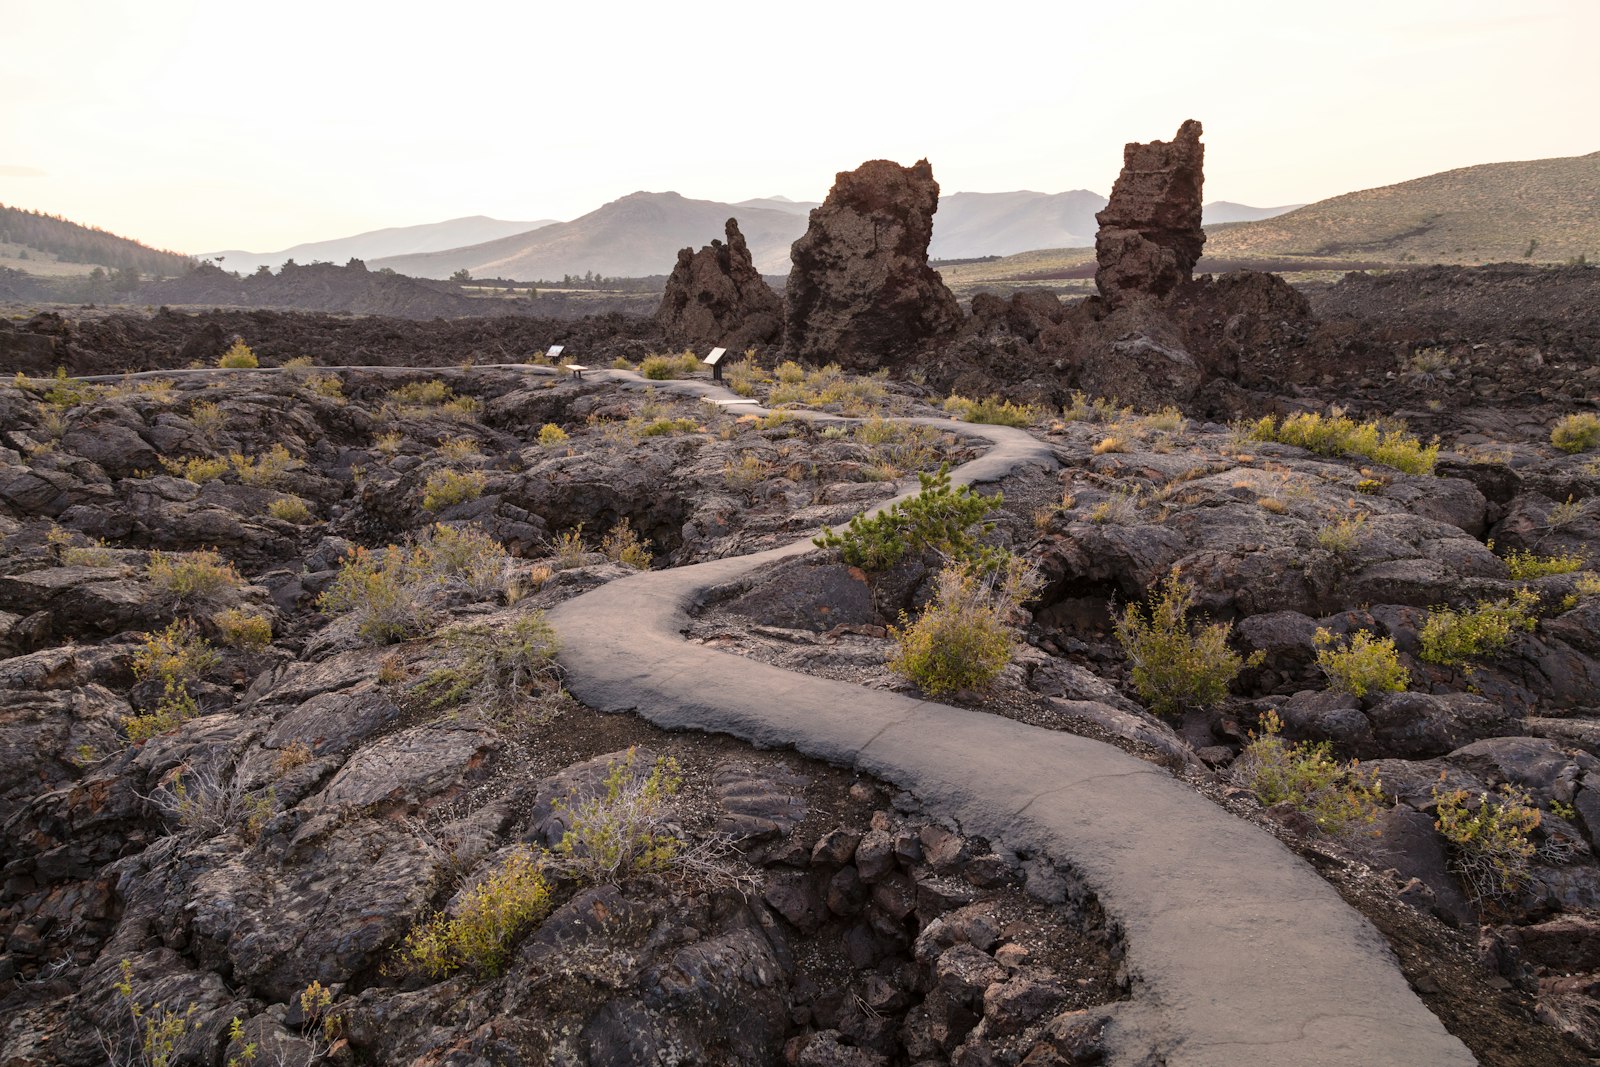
(714, 361)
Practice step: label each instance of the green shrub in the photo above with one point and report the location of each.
(1308, 778)
(790, 373)
(199, 470)
(156, 1030)
(568, 548)
(1338, 435)
(290, 509)
(208, 418)
(381, 592)
(1525, 565)
(423, 395)
(1341, 534)
(177, 654)
(1363, 664)
(394, 594)
(662, 427)
(961, 641)
(1490, 842)
(65, 392)
(460, 557)
(1576, 433)
(991, 410)
(1174, 664)
(622, 544)
(264, 470)
(1452, 637)
(242, 629)
(446, 488)
(175, 708)
(900, 447)
(747, 471)
(458, 449)
(487, 923)
(500, 666)
(661, 368)
(625, 831)
(551, 435)
(238, 357)
(187, 577)
(938, 517)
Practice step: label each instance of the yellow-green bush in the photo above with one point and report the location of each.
(623, 832)
(264, 470)
(498, 666)
(393, 594)
(1336, 795)
(175, 708)
(176, 654)
(238, 357)
(622, 544)
(290, 509)
(961, 641)
(192, 576)
(487, 923)
(1490, 839)
(747, 471)
(243, 629)
(200, 469)
(991, 410)
(429, 394)
(1362, 664)
(1175, 664)
(458, 449)
(551, 435)
(1576, 433)
(1526, 565)
(1339, 435)
(1452, 637)
(380, 590)
(445, 488)
(661, 368)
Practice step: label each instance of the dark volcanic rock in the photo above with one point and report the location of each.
(1150, 235)
(717, 297)
(861, 292)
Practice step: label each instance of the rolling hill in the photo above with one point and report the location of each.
(42, 244)
(1544, 210)
(376, 244)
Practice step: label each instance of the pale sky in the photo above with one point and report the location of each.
(200, 125)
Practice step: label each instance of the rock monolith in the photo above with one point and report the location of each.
(717, 297)
(861, 292)
(1150, 235)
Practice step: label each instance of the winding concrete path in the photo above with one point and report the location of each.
(1240, 955)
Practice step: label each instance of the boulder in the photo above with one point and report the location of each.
(1150, 234)
(717, 297)
(860, 291)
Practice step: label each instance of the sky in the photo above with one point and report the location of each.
(201, 126)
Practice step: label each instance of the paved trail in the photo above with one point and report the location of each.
(1240, 954)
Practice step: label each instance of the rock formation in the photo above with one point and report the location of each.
(861, 292)
(1150, 235)
(717, 297)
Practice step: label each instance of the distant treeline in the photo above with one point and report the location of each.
(73, 243)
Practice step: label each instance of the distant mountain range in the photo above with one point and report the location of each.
(640, 234)
(375, 244)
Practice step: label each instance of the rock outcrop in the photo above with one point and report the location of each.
(1150, 235)
(861, 292)
(717, 297)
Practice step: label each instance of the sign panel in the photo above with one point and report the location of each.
(715, 357)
